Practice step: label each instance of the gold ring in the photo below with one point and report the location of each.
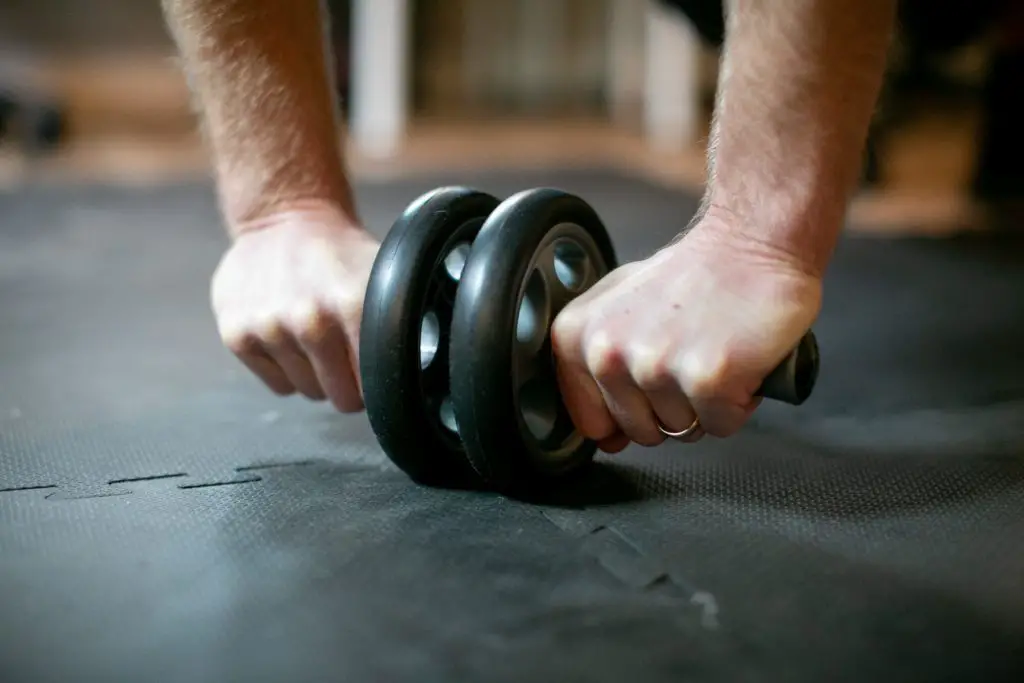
(694, 426)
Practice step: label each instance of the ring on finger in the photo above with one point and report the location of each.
(694, 426)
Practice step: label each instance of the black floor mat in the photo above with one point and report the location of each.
(163, 518)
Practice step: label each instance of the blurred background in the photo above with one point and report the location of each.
(89, 90)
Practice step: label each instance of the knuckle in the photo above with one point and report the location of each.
(707, 374)
(604, 358)
(566, 328)
(238, 339)
(220, 291)
(349, 307)
(310, 323)
(303, 312)
(270, 331)
(652, 370)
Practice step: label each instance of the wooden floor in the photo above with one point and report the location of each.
(132, 124)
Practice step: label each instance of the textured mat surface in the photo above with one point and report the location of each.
(162, 518)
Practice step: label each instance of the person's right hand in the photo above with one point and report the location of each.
(288, 298)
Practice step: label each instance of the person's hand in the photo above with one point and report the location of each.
(690, 332)
(288, 298)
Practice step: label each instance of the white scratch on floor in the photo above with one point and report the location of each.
(709, 609)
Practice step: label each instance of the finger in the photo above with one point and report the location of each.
(665, 395)
(584, 402)
(672, 409)
(269, 372)
(631, 410)
(284, 349)
(723, 418)
(344, 313)
(720, 401)
(582, 397)
(350, 312)
(327, 347)
(249, 351)
(614, 444)
(694, 436)
(675, 413)
(626, 402)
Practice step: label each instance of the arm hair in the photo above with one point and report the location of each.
(261, 77)
(798, 84)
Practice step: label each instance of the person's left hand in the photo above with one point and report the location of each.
(690, 332)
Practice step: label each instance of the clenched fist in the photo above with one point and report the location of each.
(288, 298)
(688, 333)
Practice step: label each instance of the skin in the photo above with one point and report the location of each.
(288, 293)
(690, 331)
(694, 329)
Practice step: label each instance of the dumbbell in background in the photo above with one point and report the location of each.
(455, 352)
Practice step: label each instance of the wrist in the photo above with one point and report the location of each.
(311, 210)
(792, 242)
(801, 227)
(253, 189)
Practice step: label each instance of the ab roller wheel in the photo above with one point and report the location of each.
(404, 335)
(455, 353)
(537, 252)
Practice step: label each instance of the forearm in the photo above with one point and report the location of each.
(259, 71)
(798, 85)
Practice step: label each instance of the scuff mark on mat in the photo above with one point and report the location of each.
(709, 609)
(631, 566)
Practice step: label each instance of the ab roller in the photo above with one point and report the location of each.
(455, 353)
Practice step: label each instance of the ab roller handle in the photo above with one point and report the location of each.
(793, 380)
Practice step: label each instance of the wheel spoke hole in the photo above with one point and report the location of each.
(538, 404)
(455, 261)
(430, 339)
(447, 415)
(532, 321)
(571, 264)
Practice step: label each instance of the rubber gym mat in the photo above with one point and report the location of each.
(164, 518)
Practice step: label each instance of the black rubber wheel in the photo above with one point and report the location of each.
(537, 251)
(403, 348)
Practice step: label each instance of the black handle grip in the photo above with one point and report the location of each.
(794, 379)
